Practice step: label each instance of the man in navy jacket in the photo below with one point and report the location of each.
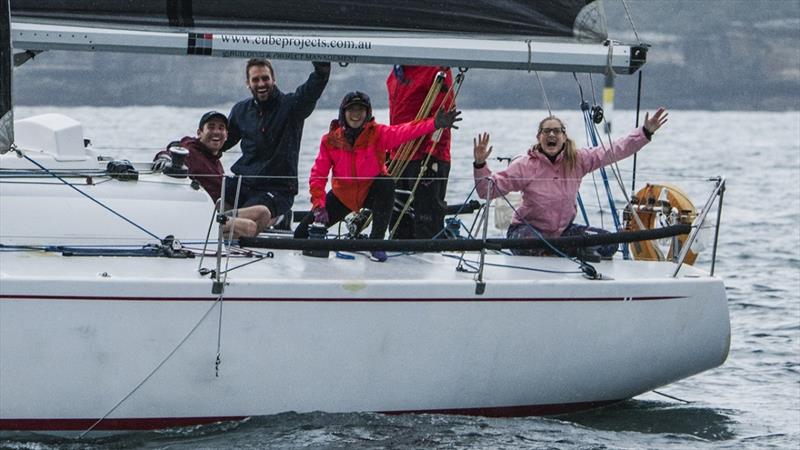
(270, 126)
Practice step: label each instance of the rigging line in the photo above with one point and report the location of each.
(512, 266)
(474, 220)
(594, 95)
(594, 178)
(630, 20)
(670, 396)
(425, 111)
(447, 102)
(450, 97)
(233, 218)
(92, 198)
(541, 85)
(208, 233)
(218, 359)
(153, 372)
(259, 258)
(399, 163)
(621, 185)
(224, 274)
(595, 137)
(541, 237)
(638, 105)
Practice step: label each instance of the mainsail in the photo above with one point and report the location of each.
(554, 35)
(551, 18)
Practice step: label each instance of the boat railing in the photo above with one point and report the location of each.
(718, 191)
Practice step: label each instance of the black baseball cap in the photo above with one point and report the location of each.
(356, 98)
(212, 115)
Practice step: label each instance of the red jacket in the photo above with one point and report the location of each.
(405, 99)
(204, 167)
(354, 167)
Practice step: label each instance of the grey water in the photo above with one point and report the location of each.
(752, 401)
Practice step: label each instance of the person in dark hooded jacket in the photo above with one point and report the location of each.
(269, 126)
(355, 152)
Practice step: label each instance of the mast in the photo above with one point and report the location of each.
(6, 68)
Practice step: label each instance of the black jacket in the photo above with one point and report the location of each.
(270, 133)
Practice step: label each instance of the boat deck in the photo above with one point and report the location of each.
(288, 273)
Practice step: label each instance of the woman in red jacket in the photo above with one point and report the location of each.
(355, 152)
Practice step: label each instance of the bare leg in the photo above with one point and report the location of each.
(259, 214)
(241, 227)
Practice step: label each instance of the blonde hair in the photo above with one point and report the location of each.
(569, 148)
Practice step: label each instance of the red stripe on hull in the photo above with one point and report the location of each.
(54, 425)
(109, 424)
(515, 411)
(374, 300)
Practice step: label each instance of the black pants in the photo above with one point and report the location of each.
(425, 218)
(379, 200)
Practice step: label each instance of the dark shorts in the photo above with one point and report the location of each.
(278, 202)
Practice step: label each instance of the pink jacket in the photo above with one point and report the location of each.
(354, 167)
(548, 191)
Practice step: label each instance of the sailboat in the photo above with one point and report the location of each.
(110, 320)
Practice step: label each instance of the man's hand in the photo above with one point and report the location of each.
(161, 163)
(323, 68)
(446, 119)
(320, 215)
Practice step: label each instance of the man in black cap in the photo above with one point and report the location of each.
(269, 126)
(203, 162)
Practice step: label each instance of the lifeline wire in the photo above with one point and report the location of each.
(91, 198)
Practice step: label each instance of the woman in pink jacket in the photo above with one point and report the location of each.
(549, 177)
(355, 151)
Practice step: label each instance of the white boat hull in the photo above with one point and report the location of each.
(73, 346)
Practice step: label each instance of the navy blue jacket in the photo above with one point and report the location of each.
(270, 133)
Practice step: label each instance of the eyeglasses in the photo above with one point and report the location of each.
(555, 131)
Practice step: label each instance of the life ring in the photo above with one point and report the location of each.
(656, 205)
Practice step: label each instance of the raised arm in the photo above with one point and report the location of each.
(307, 94)
(596, 157)
(502, 182)
(395, 135)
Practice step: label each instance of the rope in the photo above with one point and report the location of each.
(672, 397)
(638, 109)
(400, 162)
(91, 198)
(630, 20)
(447, 103)
(541, 86)
(512, 266)
(153, 372)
